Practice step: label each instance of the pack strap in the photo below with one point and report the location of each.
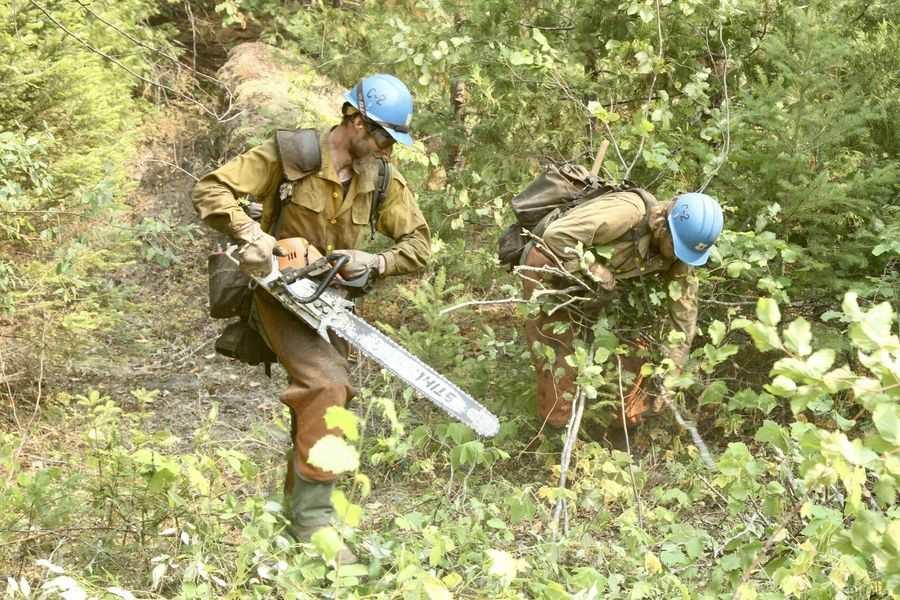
(643, 227)
(300, 155)
(298, 152)
(382, 182)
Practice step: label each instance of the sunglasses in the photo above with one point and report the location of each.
(382, 138)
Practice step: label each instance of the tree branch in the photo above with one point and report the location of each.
(123, 67)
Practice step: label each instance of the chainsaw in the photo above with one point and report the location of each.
(307, 284)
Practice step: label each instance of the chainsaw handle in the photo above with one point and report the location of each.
(358, 285)
(337, 261)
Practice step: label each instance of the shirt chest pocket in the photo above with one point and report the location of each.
(309, 197)
(362, 206)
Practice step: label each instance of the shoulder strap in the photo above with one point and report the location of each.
(643, 227)
(299, 155)
(382, 181)
(299, 152)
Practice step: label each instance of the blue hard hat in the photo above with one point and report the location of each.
(695, 221)
(384, 100)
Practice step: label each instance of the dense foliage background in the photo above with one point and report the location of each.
(784, 111)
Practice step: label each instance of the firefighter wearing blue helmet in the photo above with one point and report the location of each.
(333, 188)
(642, 239)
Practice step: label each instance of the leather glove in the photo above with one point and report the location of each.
(601, 299)
(256, 250)
(254, 210)
(606, 292)
(601, 274)
(360, 262)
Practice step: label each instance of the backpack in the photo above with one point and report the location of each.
(551, 195)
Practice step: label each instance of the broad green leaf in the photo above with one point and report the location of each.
(821, 360)
(767, 312)
(771, 433)
(503, 565)
(521, 58)
(197, 480)
(520, 507)
(717, 331)
(886, 419)
(749, 399)
(673, 557)
(735, 459)
(730, 562)
(874, 329)
(716, 356)
(354, 571)
(343, 419)
(798, 337)
(327, 541)
(348, 512)
(676, 291)
(436, 590)
(764, 337)
(782, 387)
(713, 394)
(798, 370)
(651, 563)
(334, 454)
(646, 13)
(735, 268)
(640, 590)
(850, 306)
(451, 580)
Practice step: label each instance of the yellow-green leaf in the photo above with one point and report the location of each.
(327, 541)
(435, 589)
(334, 454)
(767, 311)
(348, 512)
(343, 419)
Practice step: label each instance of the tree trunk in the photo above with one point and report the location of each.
(458, 94)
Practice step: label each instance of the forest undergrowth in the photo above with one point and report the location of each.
(138, 463)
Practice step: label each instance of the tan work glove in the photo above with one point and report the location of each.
(256, 250)
(360, 262)
(600, 273)
(606, 291)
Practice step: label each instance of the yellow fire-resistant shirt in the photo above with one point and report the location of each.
(317, 210)
(602, 222)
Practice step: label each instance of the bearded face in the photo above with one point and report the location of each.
(362, 150)
(666, 245)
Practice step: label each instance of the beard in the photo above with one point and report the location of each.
(363, 163)
(361, 157)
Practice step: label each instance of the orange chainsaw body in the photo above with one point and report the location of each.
(299, 253)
